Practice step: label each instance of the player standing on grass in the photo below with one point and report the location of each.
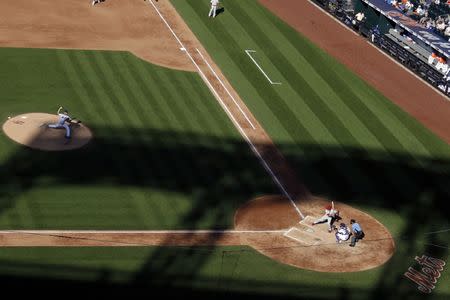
(212, 11)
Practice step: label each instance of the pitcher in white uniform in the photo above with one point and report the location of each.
(63, 122)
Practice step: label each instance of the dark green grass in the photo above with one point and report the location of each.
(164, 156)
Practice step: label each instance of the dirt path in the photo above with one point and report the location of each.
(409, 92)
(278, 212)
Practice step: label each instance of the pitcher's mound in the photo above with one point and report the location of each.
(30, 130)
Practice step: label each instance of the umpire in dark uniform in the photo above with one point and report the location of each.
(357, 232)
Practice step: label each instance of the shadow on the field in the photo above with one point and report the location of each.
(219, 174)
(220, 11)
(103, 283)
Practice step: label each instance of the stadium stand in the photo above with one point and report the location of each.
(392, 36)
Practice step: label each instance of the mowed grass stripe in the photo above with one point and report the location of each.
(166, 81)
(376, 127)
(312, 71)
(163, 91)
(84, 97)
(236, 59)
(105, 82)
(239, 60)
(120, 85)
(149, 166)
(434, 146)
(151, 89)
(286, 118)
(159, 212)
(74, 77)
(209, 115)
(331, 121)
(399, 140)
(222, 34)
(214, 113)
(135, 171)
(283, 113)
(353, 84)
(98, 95)
(285, 91)
(116, 76)
(114, 153)
(336, 106)
(133, 88)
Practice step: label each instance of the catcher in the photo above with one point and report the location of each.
(342, 234)
(331, 215)
(64, 121)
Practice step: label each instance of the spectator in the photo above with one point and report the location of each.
(440, 24)
(359, 18)
(440, 64)
(447, 32)
(375, 33)
(420, 12)
(432, 58)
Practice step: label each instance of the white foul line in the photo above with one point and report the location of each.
(262, 71)
(139, 231)
(223, 85)
(252, 146)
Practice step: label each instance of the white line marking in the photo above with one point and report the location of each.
(286, 234)
(252, 146)
(228, 92)
(439, 231)
(262, 71)
(139, 231)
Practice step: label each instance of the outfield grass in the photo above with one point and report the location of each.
(165, 156)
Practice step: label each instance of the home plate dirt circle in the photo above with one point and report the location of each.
(312, 247)
(29, 129)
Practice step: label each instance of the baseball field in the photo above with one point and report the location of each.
(212, 141)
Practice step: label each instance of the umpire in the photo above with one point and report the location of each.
(357, 232)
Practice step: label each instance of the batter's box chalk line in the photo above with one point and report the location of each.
(303, 236)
